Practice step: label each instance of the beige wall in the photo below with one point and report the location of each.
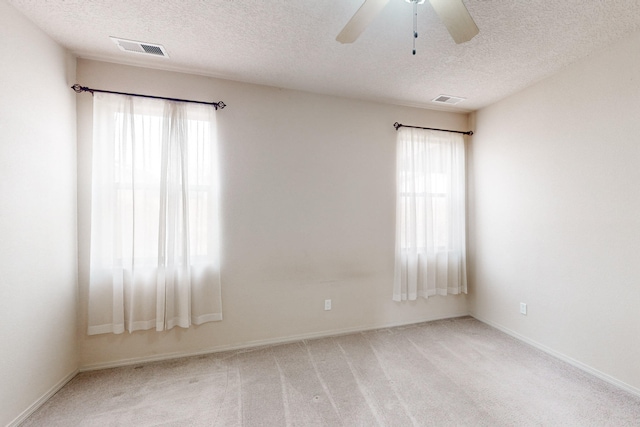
(555, 213)
(308, 214)
(37, 215)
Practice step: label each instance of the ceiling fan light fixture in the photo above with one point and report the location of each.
(453, 13)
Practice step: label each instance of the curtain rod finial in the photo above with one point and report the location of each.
(220, 105)
(77, 88)
(397, 125)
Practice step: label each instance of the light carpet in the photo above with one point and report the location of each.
(457, 372)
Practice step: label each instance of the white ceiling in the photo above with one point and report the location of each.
(291, 43)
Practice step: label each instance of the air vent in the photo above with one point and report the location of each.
(140, 47)
(446, 99)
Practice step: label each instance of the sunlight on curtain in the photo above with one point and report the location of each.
(154, 215)
(430, 255)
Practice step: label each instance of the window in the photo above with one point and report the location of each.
(154, 235)
(430, 256)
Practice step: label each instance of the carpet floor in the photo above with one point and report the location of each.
(457, 372)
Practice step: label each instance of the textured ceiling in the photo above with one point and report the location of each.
(291, 43)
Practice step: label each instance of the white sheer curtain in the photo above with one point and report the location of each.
(154, 215)
(430, 255)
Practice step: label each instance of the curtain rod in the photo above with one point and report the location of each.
(400, 125)
(217, 105)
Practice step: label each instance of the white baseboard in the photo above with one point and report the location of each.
(46, 396)
(573, 362)
(253, 344)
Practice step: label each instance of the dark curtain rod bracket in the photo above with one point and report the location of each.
(76, 87)
(400, 125)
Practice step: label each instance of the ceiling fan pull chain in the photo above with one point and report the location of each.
(415, 24)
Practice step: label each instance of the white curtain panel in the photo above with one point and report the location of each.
(154, 215)
(430, 254)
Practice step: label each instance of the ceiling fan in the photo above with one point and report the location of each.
(452, 13)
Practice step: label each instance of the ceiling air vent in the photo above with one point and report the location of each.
(446, 99)
(140, 47)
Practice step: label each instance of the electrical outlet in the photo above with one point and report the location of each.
(523, 308)
(327, 304)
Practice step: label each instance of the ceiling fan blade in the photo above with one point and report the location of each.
(456, 18)
(361, 20)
